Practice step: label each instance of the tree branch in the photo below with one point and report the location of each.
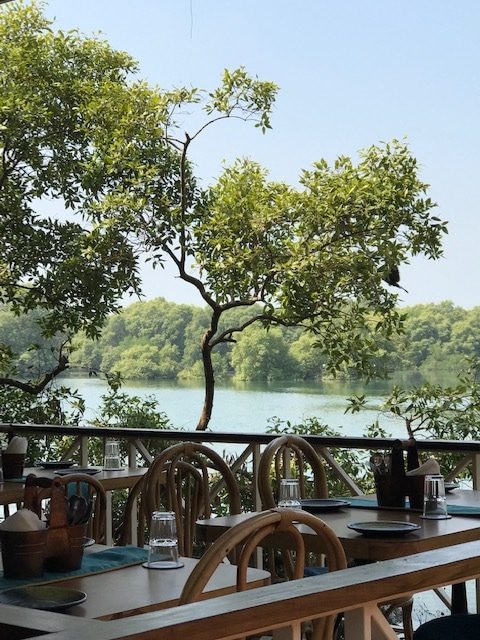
(35, 389)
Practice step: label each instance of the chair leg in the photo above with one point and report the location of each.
(407, 612)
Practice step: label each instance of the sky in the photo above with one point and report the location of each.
(351, 73)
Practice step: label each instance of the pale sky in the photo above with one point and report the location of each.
(351, 73)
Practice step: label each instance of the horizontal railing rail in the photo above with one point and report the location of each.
(343, 442)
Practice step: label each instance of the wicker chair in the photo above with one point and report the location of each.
(179, 480)
(248, 535)
(276, 457)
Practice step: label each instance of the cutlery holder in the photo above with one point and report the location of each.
(393, 487)
(390, 493)
(64, 549)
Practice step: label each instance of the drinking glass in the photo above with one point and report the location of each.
(435, 502)
(289, 495)
(112, 461)
(163, 542)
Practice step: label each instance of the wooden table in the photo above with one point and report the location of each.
(433, 534)
(133, 590)
(128, 591)
(11, 492)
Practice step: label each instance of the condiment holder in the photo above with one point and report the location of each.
(23, 553)
(64, 545)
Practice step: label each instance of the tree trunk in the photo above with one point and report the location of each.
(209, 385)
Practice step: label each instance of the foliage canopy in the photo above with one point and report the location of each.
(75, 128)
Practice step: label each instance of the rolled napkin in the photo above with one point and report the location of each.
(17, 445)
(22, 520)
(429, 467)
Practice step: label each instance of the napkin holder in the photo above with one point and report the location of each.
(64, 542)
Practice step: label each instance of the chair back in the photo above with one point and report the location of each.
(248, 535)
(276, 459)
(180, 479)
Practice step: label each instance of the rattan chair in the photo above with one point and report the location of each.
(180, 479)
(276, 461)
(247, 536)
(453, 627)
(289, 451)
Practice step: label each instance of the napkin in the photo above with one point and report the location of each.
(431, 466)
(17, 445)
(22, 520)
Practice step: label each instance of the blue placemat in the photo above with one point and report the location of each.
(91, 563)
(371, 502)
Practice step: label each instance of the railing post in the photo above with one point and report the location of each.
(132, 462)
(84, 451)
(256, 499)
(476, 470)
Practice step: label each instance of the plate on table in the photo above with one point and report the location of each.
(88, 470)
(58, 464)
(323, 504)
(450, 486)
(46, 597)
(384, 528)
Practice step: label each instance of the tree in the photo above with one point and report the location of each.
(315, 257)
(257, 356)
(73, 129)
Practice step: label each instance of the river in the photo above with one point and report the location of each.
(247, 407)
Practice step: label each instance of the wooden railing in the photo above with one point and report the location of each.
(281, 607)
(325, 445)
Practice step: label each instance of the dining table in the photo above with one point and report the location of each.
(118, 585)
(11, 491)
(414, 535)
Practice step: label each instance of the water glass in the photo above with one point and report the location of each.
(112, 460)
(163, 542)
(435, 502)
(289, 495)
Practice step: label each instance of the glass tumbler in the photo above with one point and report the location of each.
(289, 495)
(112, 460)
(434, 502)
(163, 542)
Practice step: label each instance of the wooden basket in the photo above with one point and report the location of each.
(23, 553)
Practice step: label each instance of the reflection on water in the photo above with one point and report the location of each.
(248, 406)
